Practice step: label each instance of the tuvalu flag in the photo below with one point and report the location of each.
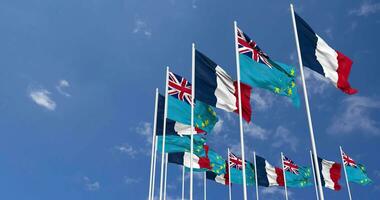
(258, 70)
(355, 172)
(215, 87)
(296, 176)
(179, 109)
(236, 172)
(175, 143)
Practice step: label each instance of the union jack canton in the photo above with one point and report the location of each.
(179, 88)
(249, 48)
(348, 161)
(235, 162)
(290, 166)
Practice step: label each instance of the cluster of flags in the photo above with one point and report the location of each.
(185, 117)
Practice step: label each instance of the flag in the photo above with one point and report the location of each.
(179, 108)
(267, 175)
(172, 127)
(330, 173)
(258, 70)
(184, 158)
(216, 88)
(321, 58)
(296, 176)
(217, 162)
(175, 143)
(236, 172)
(219, 178)
(355, 172)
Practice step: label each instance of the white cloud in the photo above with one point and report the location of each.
(62, 84)
(218, 127)
(41, 97)
(262, 100)
(142, 28)
(315, 83)
(355, 114)
(366, 8)
(127, 149)
(130, 180)
(91, 185)
(256, 131)
(274, 191)
(283, 137)
(194, 4)
(329, 33)
(145, 129)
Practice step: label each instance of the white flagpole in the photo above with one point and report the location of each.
(192, 118)
(283, 171)
(345, 173)
(166, 174)
(240, 113)
(256, 179)
(164, 133)
(154, 167)
(229, 174)
(204, 186)
(183, 182)
(151, 185)
(315, 181)
(313, 145)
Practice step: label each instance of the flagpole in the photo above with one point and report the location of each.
(166, 174)
(204, 186)
(164, 133)
(315, 181)
(153, 145)
(240, 113)
(229, 174)
(283, 171)
(345, 172)
(183, 182)
(192, 118)
(313, 145)
(154, 167)
(256, 179)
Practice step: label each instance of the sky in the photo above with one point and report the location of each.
(78, 80)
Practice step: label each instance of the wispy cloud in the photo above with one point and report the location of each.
(218, 127)
(145, 129)
(283, 137)
(91, 185)
(274, 191)
(194, 4)
(256, 131)
(366, 8)
(262, 100)
(141, 27)
(41, 97)
(127, 149)
(316, 83)
(130, 180)
(355, 114)
(62, 85)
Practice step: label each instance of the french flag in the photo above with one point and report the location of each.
(184, 158)
(320, 57)
(330, 173)
(216, 88)
(267, 175)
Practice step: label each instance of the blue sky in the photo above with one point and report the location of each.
(77, 88)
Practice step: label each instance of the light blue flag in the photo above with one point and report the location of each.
(175, 144)
(304, 178)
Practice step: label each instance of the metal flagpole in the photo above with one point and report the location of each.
(154, 167)
(240, 113)
(283, 171)
(204, 186)
(192, 118)
(153, 146)
(315, 181)
(183, 182)
(345, 173)
(166, 174)
(164, 133)
(314, 148)
(256, 179)
(229, 174)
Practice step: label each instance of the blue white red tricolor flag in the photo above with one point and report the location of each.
(320, 57)
(330, 173)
